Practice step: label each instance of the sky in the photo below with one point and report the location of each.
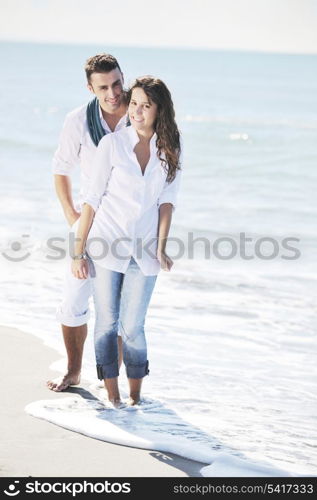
(262, 25)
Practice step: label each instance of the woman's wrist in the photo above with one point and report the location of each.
(161, 245)
(160, 250)
(79, 246)
(79, 256)
(78, 250)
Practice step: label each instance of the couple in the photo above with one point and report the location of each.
(129, 184)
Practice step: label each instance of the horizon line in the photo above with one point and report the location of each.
(158, 47)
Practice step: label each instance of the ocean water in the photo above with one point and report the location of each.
(232, 329)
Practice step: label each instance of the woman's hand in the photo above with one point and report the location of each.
(80, 269)
(165, 261)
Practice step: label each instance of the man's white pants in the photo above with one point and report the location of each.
(74, 308)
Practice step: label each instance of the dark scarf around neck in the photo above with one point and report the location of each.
(96, 130)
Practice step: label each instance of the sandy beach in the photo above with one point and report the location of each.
(34, 447)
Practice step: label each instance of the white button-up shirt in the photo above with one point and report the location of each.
(126, 203)
(76, 147)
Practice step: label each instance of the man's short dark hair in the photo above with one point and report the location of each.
(101, 63)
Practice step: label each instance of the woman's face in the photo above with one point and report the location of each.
(142, 111)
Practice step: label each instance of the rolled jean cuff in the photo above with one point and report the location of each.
(108, 371)
(137, 371)
(67, 320)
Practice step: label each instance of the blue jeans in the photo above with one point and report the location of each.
(121, 302)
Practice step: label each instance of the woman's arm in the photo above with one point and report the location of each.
(102, 168)
(80, 265)
(167, 203)
(165, 218)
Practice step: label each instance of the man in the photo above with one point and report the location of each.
(83, 128)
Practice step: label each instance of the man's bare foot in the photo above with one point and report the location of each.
(61, 383)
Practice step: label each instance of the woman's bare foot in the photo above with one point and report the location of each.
(111, 386)
(132, 401)
(135, 395)
(116, 403)
(135, 391)
(61, 383)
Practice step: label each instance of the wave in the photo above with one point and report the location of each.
(151, 426)
(242, 120)
(7, 143)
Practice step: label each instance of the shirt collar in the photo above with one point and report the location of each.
(105, 124)
(134, 138)
(102, 120)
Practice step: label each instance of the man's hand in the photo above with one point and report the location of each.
(80, 269)
(64, 192)
(72, 217)
(165, 261)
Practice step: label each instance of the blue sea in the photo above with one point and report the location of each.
(231, 330)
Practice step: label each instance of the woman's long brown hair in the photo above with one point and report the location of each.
(168, 136)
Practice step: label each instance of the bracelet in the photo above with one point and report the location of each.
(80, 256)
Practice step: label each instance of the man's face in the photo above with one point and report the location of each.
(108, 88)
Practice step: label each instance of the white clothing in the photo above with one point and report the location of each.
(76, 147)
(127, 203)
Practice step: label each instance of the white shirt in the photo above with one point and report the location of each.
(76, 147)
(127, 203)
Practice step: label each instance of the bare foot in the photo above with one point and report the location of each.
(132, 401)
(61, 383)
(116, 404)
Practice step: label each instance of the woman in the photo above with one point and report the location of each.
(129, 209)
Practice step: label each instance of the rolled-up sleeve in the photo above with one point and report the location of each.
(170, 190)
(66, 156)
(101, 167)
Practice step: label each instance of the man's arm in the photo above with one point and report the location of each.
(63, 187)
(65, 159)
